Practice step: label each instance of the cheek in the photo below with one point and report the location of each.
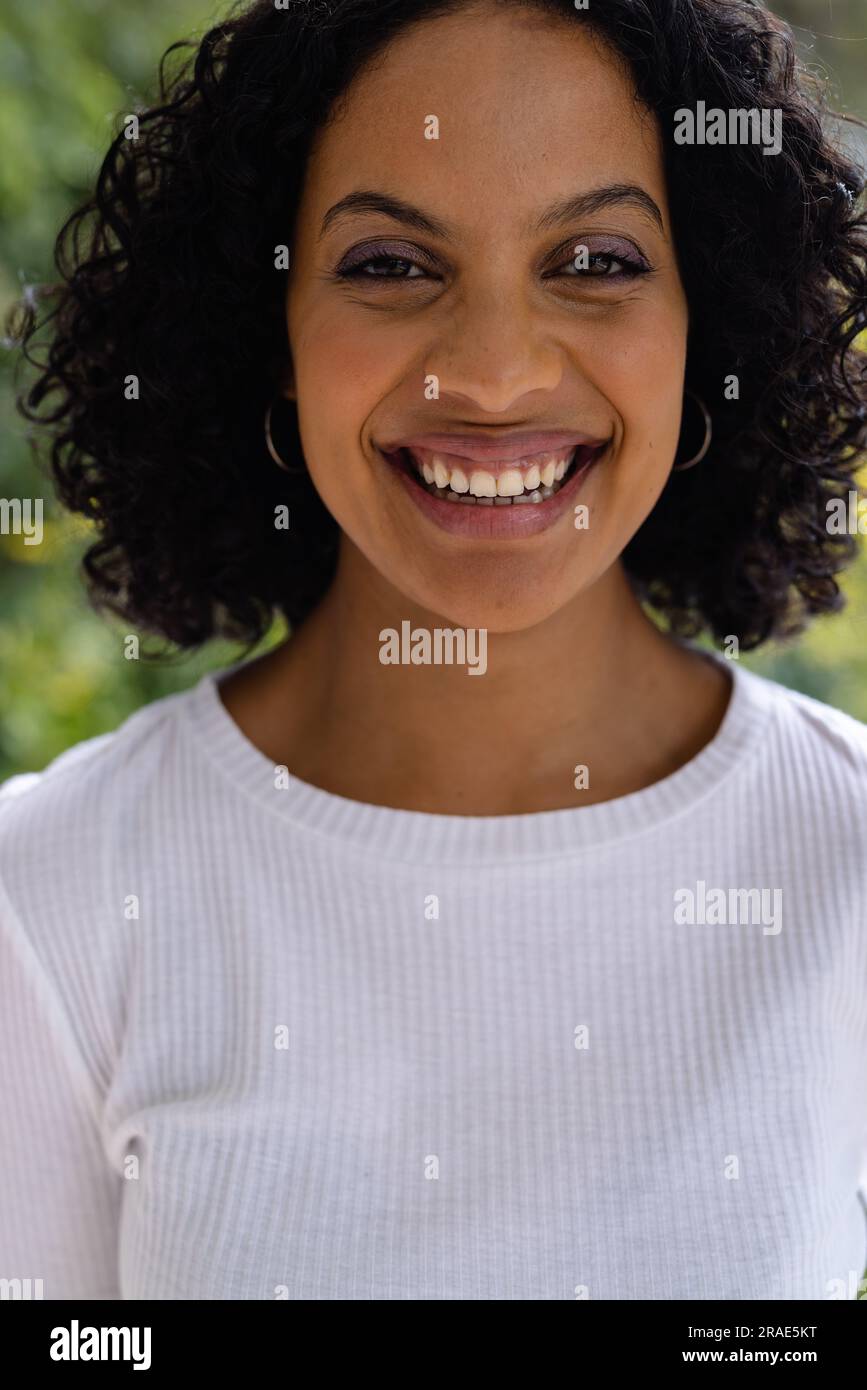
(340, 376)
(641, 372)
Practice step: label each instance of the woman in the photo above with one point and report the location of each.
(349, 973)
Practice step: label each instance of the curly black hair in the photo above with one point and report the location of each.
(168, 274)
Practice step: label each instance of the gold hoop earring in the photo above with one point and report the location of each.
(708, 432)
(281, 463)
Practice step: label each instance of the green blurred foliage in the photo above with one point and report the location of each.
(68, 73)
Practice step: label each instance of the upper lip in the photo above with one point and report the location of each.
(486, 448)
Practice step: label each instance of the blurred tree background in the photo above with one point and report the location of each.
(68, 72)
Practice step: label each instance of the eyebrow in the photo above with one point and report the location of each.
(611, 195)
(566, 210)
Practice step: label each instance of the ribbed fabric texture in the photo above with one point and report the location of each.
(260, 1041)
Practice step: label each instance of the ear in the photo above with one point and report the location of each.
(287, 382)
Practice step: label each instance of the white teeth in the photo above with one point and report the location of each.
(541, 494)
(517, 484)
(483, 484)
(510, 483)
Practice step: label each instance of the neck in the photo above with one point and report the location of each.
(596, 684)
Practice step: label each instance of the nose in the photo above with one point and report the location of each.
(496, 349)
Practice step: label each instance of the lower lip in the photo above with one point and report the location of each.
(495, 523)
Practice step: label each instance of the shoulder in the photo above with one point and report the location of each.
(70, 802)
(813, 765)
(69, 839)
(820, 730)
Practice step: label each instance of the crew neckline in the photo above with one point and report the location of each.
(425, 836)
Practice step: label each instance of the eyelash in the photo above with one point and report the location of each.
(632, 268)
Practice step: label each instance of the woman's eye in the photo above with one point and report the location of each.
(383, 268)
(602, 265)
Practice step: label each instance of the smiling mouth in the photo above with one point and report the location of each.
(529, 481)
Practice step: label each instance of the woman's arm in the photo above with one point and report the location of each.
(59, 1198)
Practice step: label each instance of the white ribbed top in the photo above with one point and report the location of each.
(261, 1041)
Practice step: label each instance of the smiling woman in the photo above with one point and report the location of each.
(438, 278)
(527, 355)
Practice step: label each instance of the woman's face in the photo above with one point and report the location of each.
(515, 309)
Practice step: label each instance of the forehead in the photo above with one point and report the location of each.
(529, 108)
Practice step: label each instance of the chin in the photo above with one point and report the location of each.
(498, 608)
